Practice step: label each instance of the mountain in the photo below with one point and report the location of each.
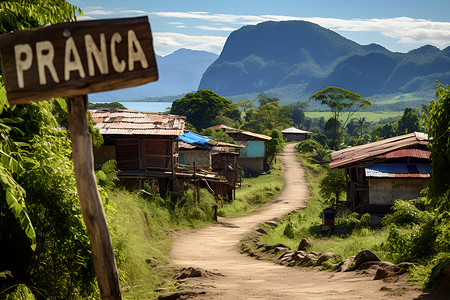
(294, 59)
(179, 73)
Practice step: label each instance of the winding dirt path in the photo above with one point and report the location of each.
(215, 248)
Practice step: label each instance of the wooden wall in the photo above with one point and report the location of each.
(384, 191)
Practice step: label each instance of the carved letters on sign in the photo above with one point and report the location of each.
(45, 54)
(77, 58)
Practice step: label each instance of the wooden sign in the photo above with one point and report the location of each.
(77, 58)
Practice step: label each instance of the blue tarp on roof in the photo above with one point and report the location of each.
(193, 138)
(397, 170)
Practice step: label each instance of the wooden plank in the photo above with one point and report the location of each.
(91, 204)
(77, 58)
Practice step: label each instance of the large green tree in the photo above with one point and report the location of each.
(438, 128)
(37, 183)
(202, 107)
(341, 102)
(409, 122)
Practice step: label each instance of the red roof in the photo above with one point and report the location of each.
(132, 122)
(387, 147)
(417, 153)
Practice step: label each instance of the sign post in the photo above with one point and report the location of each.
(71, 60)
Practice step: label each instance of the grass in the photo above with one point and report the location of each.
(307, 223)
(140, 231)
(369, 115)
(254, 193)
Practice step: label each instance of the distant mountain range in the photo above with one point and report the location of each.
(179, 73)
(294, 59)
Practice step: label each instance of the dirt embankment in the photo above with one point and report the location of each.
(238, 276)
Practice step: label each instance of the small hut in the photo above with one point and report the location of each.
(294, 134)
(195, 150)
(381, 172)
(251, 158)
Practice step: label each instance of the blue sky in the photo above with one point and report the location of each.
(398, 25)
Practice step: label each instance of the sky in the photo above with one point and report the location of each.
(397, 25)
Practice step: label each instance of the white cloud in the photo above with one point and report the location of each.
(215, 28)
(403, 29)
(167, 42)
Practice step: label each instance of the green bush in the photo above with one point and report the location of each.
(290, 231)
(364, 222)
(308, 146)
(406, 212)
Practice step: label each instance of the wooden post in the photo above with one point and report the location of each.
(91, 204)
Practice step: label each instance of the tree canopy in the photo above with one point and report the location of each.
(340, 101)
(438, 129)
(202, 107)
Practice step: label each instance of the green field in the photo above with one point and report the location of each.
(370, 116)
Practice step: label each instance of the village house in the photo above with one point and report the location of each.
(195, 150)
(140, 142)
(252, 158)
(381, 172)
(146, 145)
(294, 134)
(203, 153)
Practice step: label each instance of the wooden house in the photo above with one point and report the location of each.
(146, 146)
(203, 153)
(381, 172)
(225, 161)
(251, 158)
(195, 150)
(140, 142)
(294, 134)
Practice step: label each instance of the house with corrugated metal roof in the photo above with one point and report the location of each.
(381, 172)
(294, 134)
(203, 153)
(146, 145)
(252, 157)
(140, 142)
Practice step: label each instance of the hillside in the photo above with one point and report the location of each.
(179, 73)
(293, 59)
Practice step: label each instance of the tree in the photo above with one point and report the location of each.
(340, 101)
(333, 184)
(202, 107)
(385, 131)
(409, 122)
(275, 145)
(438, 129)
(263, 100)
(298, 114)
(21, 14)
(246, 105)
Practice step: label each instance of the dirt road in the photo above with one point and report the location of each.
(215, 248)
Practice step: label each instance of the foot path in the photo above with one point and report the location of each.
(215, 248)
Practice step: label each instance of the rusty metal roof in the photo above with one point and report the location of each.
(252, 134)
(221, 126)
(353, 155)
(113, 121)
(417, 153)
(399, 171)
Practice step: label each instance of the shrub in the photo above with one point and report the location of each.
(406, 212)
(364, 222)
(309, 146)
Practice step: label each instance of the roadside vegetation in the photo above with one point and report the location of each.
(45, 251)
(254, 192)
(415, 231)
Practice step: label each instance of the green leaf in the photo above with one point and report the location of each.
(15, 199)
